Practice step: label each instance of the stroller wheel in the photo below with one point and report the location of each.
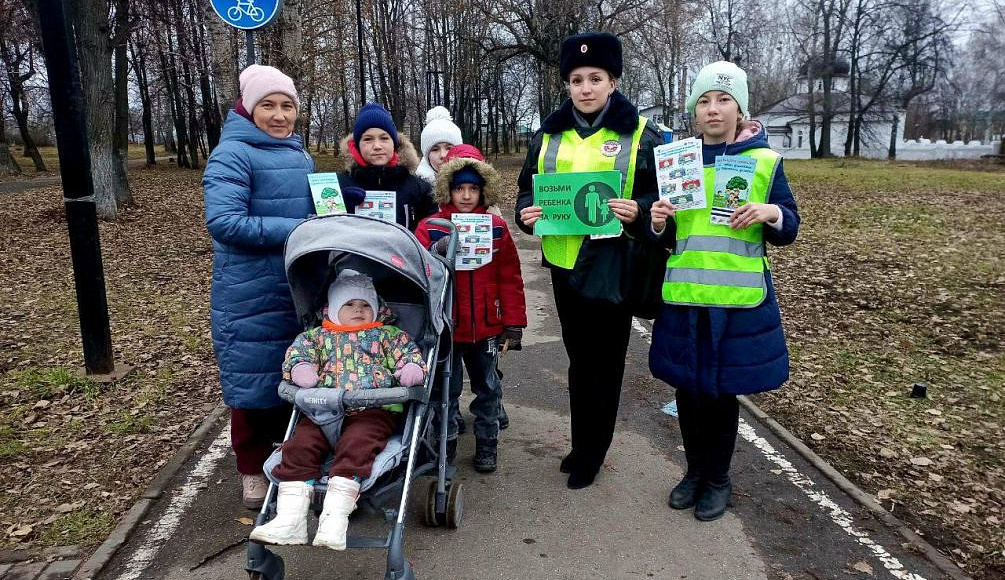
(430, 517)
(455, 505)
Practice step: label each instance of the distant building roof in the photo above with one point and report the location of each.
(799, 105)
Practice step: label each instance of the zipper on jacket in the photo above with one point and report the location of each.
(474, 326)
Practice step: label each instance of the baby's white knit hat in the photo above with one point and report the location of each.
(350, 285)
(440, 128)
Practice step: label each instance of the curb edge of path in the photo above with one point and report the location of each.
(937, 558)
(132, 518)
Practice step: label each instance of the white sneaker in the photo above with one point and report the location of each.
(334, 521)
(289, 527)
(253, 490)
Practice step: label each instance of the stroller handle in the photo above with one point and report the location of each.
(363, 398)
(452, 244)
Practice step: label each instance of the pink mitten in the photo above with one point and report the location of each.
(410, 375)
(304, 375)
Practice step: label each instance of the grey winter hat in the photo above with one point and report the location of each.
(350, 285)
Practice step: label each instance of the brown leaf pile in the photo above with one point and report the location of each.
(76, 454)
(898, 277)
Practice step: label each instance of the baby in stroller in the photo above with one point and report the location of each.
(354, 348)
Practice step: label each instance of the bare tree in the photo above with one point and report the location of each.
(18, 46)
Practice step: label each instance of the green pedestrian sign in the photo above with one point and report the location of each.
(576, 203)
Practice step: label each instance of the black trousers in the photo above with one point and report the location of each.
(708, 426)
(596, 337)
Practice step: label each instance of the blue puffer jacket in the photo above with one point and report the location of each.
(727, 350)
(256, 192)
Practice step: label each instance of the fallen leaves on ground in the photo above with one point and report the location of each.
(897, 278)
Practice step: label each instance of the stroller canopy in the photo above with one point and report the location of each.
(318, 243)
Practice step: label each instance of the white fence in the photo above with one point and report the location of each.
(924, 149)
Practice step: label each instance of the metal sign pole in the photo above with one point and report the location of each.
(250, 38)
(78, 187)
(247, 15)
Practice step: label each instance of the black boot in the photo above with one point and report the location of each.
(581, 476)
(486, 455)
(712, 501)
(451, 451)
(569, 462)
(722, 416)
(685, 493)
(503, 417)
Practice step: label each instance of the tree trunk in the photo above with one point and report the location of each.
(8, 165)
(224, 54)
(21, 116)
(211, 118)
(95, 52)
(893, 137)
(143, 82)
(170, 68)
(123, 194)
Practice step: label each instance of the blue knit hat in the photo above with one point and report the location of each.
(372, 115)
(466, 175)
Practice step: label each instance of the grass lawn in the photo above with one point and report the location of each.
(137, 152)
(897, 277)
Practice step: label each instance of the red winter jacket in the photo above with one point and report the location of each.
(491, 297)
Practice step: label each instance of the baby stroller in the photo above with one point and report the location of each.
(418, 287)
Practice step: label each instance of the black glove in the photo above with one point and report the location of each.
(511, 337)
(353, 196)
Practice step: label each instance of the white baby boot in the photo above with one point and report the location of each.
(289, 527)
(334, 521)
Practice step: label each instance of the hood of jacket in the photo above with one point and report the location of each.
(408, 157)
(751, 135)
(239, 128)
(622, 116)
(490, 191)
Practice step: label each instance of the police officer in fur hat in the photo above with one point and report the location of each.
(597, 128)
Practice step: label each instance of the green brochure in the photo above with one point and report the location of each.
(576, 203)
(326, 193)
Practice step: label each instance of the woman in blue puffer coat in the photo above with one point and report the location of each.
(719, 333)
(256, 191)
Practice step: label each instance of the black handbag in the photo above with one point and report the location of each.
(621, 271)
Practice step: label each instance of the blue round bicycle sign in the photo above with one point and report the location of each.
(246, 14)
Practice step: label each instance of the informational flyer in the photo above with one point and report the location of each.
(326, 193)
(382, 205)
(733, 176)
(474, 237)
(576, 203)
(680, 174)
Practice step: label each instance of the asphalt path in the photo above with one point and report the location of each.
(787, 522)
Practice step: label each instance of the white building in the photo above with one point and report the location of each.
(788, 121)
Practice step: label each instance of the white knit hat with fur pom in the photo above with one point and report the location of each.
(440, 128)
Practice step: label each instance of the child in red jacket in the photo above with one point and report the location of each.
(490, 310)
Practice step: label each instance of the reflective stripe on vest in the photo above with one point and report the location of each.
(715, 265)
(568, 152)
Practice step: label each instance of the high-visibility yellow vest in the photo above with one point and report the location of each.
(603, 151)
(713, 264)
